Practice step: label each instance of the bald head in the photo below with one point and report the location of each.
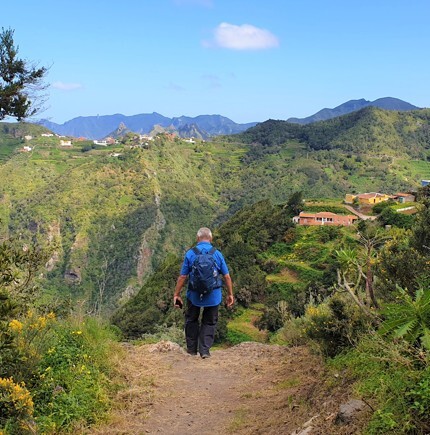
(204, 234)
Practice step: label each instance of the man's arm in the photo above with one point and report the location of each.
(179, 284)
(229, 284)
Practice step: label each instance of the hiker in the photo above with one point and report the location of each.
(200, 337)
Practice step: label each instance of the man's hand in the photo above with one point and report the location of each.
(229, 301)
(178, 302)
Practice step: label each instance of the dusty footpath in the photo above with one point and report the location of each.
(251, 388)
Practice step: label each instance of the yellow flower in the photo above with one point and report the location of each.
(76, 332)
(50, 316)
(16, 325)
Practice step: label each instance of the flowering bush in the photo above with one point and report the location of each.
(30, 339)
(16, 407)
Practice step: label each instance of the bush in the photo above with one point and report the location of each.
(71, 382)
(335, 324)
(16, 407)
(291, 334)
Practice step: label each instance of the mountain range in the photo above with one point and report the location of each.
(98, 127)
(202, 126)
(387, 103)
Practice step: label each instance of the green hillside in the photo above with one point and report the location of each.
(111, 215)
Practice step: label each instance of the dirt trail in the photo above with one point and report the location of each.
(251, 388)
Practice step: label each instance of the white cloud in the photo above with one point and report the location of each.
(66, 86)
(244, 37)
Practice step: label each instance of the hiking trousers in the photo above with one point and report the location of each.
(200, 336)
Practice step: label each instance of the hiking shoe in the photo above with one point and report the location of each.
(191, 352)
(205, 355)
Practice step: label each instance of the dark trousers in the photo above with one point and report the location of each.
(200, 336)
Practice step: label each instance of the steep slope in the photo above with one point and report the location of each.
(387, 103)
(111, 215)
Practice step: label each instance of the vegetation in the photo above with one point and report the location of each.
(112, 232)
(53, 368)
(17, 81)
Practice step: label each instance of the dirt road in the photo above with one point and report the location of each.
(251, 388)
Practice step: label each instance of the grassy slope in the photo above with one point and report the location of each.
(92, 206)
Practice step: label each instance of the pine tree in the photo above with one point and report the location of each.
(19, 81)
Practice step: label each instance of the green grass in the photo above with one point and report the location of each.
(241, 327)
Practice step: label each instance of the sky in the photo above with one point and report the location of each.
(249, 60)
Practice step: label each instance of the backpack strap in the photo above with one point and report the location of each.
(196, 250)
(212, 251)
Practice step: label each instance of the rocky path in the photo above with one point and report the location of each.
(251, 388)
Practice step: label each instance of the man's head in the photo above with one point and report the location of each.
(204, 234)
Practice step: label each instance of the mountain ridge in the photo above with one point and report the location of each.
(98, 127)
(386, 103)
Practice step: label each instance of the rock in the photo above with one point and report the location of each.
(348, 411)
(166, 346)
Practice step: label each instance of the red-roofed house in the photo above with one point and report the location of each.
(324, 218)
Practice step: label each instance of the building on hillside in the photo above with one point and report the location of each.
(324, 218)
(367, 198)
(404, 197)
(47, 135)
(100, 142)
(65, 143)
(25, 149)
(28, 137)
(110, 140)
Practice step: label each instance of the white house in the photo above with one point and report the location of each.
(28, 137)
(65, 143)
(47, 135)
(100, 142)
(26, 149)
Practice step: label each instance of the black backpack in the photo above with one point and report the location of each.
(204, 275)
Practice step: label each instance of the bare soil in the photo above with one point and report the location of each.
(251, 388)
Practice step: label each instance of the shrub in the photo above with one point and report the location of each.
(335, 324)
(291, 334)
(16, 407)
(409, 319)
(71, 383)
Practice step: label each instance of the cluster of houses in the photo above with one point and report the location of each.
(362, 199)
(375, 198)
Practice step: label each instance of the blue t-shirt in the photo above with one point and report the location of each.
(215, 296)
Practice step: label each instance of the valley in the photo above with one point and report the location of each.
(106, 226)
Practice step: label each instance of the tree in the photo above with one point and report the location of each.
(19, 81)
(295, 202)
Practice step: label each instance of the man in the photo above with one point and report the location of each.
(201, 337)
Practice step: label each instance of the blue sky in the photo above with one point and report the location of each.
(249, 60)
